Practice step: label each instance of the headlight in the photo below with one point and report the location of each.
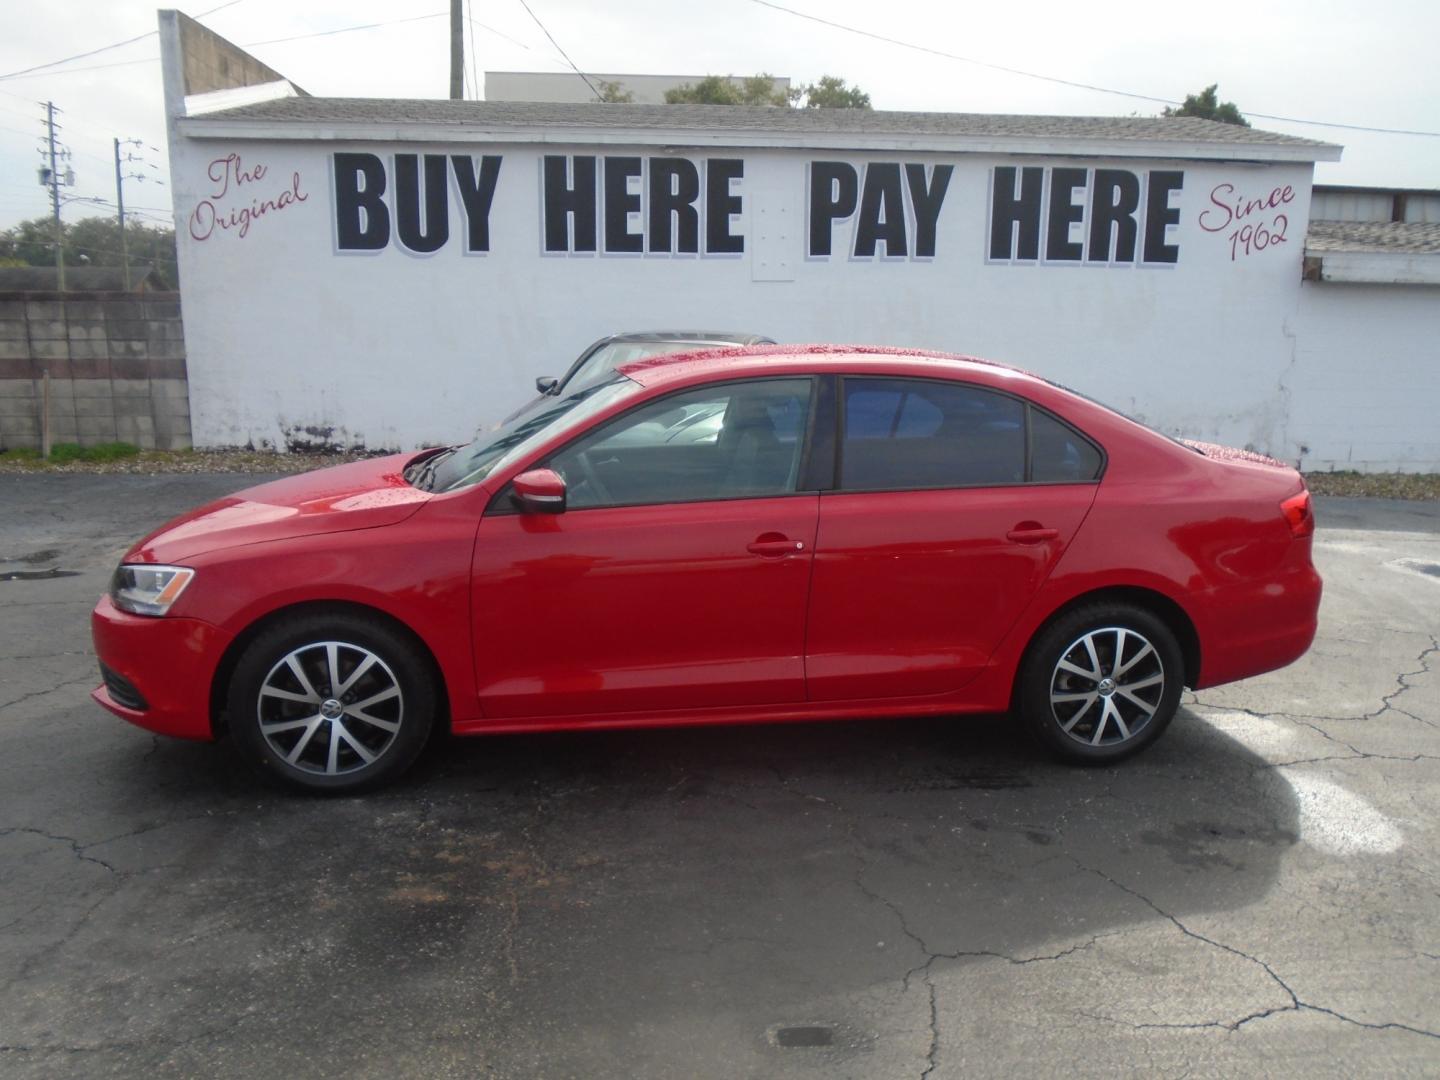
(148, 590)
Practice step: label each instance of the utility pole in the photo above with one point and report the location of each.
(120, 206)
(120, 177)
(457, 49)
(55, 199)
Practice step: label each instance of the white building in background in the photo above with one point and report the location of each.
(388, 273)
(563, 86)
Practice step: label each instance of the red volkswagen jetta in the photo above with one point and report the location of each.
(766, 534)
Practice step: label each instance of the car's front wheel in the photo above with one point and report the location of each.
(1101, 682)
(331, 702)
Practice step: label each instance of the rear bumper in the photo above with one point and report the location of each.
(1249, 629)
(169, 662)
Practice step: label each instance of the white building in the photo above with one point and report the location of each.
(557, 86)
(396, 273)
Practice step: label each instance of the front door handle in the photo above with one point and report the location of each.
(1031, 532)
(774, 545)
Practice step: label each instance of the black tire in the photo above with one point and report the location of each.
(386, 712)
(1124, 718)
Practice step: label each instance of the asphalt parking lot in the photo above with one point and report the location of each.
(1257, 894)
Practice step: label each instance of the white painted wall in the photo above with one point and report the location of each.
(394, 350)
(1364, 392)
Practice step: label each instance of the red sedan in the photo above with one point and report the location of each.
(754, 535)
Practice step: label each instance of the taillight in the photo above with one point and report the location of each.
(1299, 515)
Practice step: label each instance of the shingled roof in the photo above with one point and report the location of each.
(731, 124)
(1377, 237)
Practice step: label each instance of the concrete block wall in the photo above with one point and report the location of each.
(116, 363)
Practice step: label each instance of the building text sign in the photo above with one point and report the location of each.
(673, 206)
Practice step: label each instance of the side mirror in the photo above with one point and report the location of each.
(546, 383)
(539, 491)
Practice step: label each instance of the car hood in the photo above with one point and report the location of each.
(362, 495)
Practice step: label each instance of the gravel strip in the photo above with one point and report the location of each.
(157, 462)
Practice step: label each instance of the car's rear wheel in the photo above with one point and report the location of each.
(331, 702)
(1101, 682)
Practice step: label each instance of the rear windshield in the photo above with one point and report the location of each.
(1125, 415)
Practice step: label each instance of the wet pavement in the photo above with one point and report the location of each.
(891, 898)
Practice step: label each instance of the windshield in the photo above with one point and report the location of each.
(599, 365)
(473, 462)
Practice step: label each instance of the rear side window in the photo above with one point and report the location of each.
(1058, 453)
(915, 433)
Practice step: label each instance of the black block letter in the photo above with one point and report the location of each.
(1159, 213)
(429, 234)
(562, 202)
(362, 220)
(882, 212)
(834, 188)
(1008, 210)
(720, 204)
(674, 187)
(927, 204)
(1112, 212)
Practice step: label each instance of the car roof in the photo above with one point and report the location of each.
(686, 336)
(707, 364)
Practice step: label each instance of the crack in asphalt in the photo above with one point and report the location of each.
(1297, 1004)
(32, 961)
(932, 1055)
(50, 655)
(114, 1044)
(1387, 704)
(47, 603)
(75, 846)
(1349, 757)
(49, 690)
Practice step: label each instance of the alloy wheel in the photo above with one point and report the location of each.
(1106, 687)
(330, 707)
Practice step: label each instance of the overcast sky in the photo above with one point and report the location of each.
(1339, 61)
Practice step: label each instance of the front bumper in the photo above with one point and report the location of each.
(169, 662)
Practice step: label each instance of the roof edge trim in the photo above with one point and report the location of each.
(217, 126)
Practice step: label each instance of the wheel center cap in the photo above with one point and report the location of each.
(1106, 687)
(331, 709)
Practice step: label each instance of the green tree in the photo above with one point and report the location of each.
(31, 242)
(93, 241)
(719, 90)
(614, 93)
(1207, 106)
(832, 92)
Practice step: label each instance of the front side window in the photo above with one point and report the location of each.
(737, 440)
(904, 434)
(465, 465)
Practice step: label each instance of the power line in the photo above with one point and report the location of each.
(561, 51)
(501, 33)
(246, 45)
(346, 29)
(1066, 82)
(107, 48)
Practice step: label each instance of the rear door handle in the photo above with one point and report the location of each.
(774, 545)
(1031, 534)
